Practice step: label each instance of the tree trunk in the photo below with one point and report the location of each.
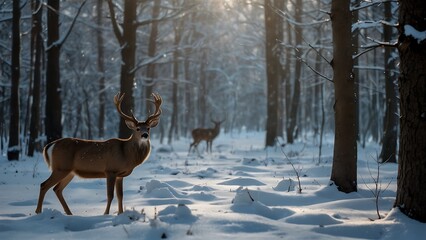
(410, 195)
(388, 153)
(203, 89)
(14, 146)
(101, 70)
(152, 49)
(287, 74)
(189, 111)
(128, 54)
(344, 169)
(2, 118)
(292, 118)
(281, 6)
(126, 36)
(53, 107)
(37, 43)
(355, 46)
(175, 84)
(272, 73)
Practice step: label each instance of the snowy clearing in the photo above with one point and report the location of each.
(240, 190)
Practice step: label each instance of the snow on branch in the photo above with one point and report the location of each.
(411, 31)
(365, 24)
(367, 4)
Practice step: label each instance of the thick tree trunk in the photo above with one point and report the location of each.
(126, 36)
(410, 195)
(344, 169)
(128, 54)
(272, 74)
(14, 146)
(53, 120)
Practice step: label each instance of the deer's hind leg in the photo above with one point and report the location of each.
(58, 190)
(54, 178)
(193, 146)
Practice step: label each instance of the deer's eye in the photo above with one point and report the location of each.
(138, 129)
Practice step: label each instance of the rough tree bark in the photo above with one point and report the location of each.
(14, 146)
(411, 194)
(53, 107)
(127, 40)
(272, 73)
(344, 169)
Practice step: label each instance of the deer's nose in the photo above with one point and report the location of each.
(145, 135)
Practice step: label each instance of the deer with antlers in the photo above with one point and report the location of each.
(205, 134)
(112, 159)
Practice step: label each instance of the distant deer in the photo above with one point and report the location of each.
(112, 159)
(206, 134)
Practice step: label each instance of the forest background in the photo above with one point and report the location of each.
(259, 65)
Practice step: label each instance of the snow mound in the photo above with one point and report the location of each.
(157, 189)
(320, 219)
(243, 182)
(179, 214)
(251, 162)
(48, 213)
(127, 217)
(206, 173)
(285, 185)
(244, 203)
(199, 188)
(243, 197)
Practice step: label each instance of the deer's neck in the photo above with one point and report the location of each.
(216, 131)
(137, 150)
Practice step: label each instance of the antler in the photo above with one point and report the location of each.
(118, 98)
(153, 120)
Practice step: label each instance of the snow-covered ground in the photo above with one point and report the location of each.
(239, 191)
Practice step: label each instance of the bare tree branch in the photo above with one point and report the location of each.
(115, 26)
(165, 17)
(369, 4)
(62, 40)
(316, 71)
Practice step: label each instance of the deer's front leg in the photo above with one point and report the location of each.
(209, 146)
(119, 193)
(110, 190)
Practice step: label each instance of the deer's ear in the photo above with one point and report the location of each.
(130, 124)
